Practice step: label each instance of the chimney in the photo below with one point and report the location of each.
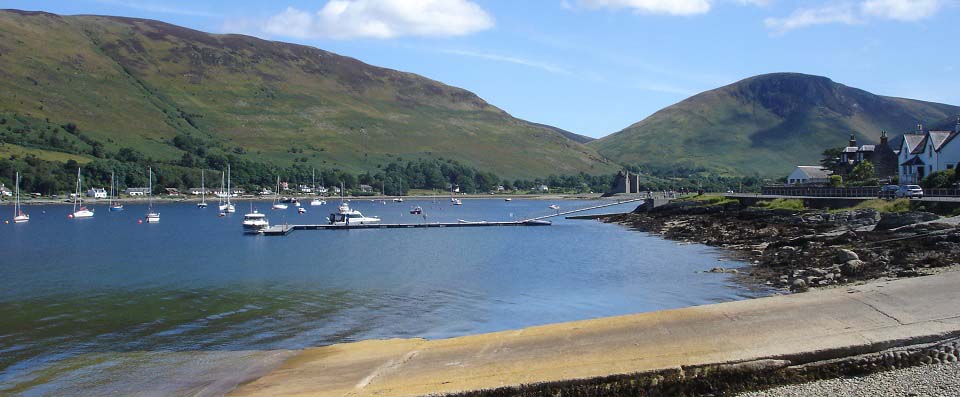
(920, 129)
(853, 141)
(883, 138)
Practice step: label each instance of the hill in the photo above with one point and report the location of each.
(167, 92)
(765, 125)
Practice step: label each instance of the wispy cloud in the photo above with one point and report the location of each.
(668, 7)
(801, 18)
(509, 59)
(373, 19)
(852, 13)
(157, 8)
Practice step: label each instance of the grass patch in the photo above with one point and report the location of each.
(710, 199)
(783, 204)
(8, 149)
(898, 205)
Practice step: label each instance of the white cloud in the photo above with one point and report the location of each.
(855, 13)
(902, 10)
(508, 59)
(800, 18)
(381, 19)
(668, 7)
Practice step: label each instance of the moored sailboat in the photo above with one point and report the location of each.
(114, 204)
(79, 211)
(203, 192)
(227, 207)
(277, 205)
(18, 215)
(152, 216)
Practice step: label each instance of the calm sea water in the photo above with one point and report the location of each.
(191, 306)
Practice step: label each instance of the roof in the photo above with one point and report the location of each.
(814, 171)
(848, 149)
(867, 148)
(940, 138)
(915, 160)
(920, 144)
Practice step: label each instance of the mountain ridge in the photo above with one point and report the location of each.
(139, 83)
(764, 124)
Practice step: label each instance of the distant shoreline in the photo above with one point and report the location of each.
(213, 200)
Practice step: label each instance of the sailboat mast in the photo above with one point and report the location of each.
(16, 207)
(78, 200)
(229, 190)
(203, 188)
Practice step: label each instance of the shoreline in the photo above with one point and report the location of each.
(717, 349)
(213, 200)
(795, 251)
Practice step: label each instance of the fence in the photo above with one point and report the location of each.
(858, 191)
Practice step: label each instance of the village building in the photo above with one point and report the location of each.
(172, 191)
(97, 192)
(809, 175)
(5, 191)
(925, 152)
(882, 156)
(196, 191)
(136, 191)
(366, 188)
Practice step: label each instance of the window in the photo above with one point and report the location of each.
(949, 166)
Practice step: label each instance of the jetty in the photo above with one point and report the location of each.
(285, 229)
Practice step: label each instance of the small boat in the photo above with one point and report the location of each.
(203, 192)
(79, 211)
(114, 205)
(18, 215)
(315, 202)
(301, 210)
(508, 199)
(398, 200)
(457, 201)
(296, 203)
(416, 210)
(255, 221)
(554, 207)
(152, 216)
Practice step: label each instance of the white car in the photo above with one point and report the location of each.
(910, 191)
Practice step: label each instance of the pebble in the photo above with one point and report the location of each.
(928, 380)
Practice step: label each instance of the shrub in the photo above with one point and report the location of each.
(898, 205)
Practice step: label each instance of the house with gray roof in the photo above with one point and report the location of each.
(809, 175)
(925, 152)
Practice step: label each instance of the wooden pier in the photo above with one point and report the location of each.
(283, 230)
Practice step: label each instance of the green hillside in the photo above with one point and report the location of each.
(167, 91)
(766, 125)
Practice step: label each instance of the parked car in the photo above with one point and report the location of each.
(910, 191)
(888, 191)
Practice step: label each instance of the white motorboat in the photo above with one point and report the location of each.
(457, 201)
(554, 207)
(152, 215)
(18, 215)
(79, 211)
(301, 210)
(346, 216)
(255, 221)
(315, 202)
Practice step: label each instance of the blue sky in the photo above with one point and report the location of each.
(596, 66)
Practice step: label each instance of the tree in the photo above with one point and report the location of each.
(940, 179)
(863, 172)
(830, 157)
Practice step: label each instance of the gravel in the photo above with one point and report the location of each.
(928, 380)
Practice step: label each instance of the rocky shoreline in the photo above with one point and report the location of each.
(796, 250)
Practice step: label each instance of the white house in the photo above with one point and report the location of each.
(305, 189)
(97, 192)
(543, 188)
(196, 191)
(809, 174)
(923, 153)
(136, 191)
(321, 190)
(4, 191)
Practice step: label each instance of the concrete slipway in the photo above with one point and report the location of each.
(797, 328)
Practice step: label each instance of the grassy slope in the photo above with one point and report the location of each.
(765, 124)
(138, 83)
